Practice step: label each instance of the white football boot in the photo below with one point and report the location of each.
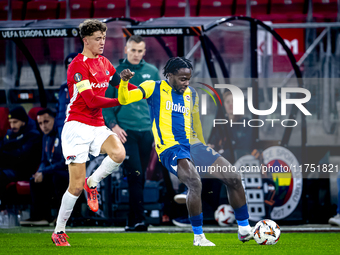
(246, 237)
(200, 240)
(335, 220)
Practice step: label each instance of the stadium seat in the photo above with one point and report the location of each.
(109, 8)
(325, 10)
(260, 9)
(240, 7)
(145, 9)
(35, 47)
(17, 7)
(216, 8)
(288, 10)
(4, 124)
(79, 9)
(56, 49)
(175, 8)
(23, 187)
(42, 10)
(33, 112)
(193, 8)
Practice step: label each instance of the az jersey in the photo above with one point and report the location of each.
(99, 72)
(171, 114)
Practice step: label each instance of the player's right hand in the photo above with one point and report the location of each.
(126, 74)
(120, 132)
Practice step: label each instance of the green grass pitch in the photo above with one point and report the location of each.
(162, 243)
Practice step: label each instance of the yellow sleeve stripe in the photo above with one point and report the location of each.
(83, 85)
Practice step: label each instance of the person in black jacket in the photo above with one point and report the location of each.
(51, 179)
(20, 151)
(240, 136)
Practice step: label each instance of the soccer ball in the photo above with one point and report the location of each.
(224, 215)
(267, 232)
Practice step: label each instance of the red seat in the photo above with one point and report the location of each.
(33, 112)
(325, 10)
(56, 49)
(42, 10)
(288, 10)
(241, 7)
(175, 8)
(4, 124)
(193, 8)
(109, 8)
(79, 9)
(216, 8)
(35, 47)
(145, 9)
(17, 7)
(23, 187)
(260, 9)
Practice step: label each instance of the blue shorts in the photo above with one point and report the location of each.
(201, 155)
(170, 156)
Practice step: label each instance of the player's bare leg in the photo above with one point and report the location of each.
(115, 151)
(233, 182)
(188, 175)
(236, 196)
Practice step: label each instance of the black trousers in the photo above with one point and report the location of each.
(138, 148)
(50, 190)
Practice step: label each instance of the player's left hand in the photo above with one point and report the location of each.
(38, 177)
(126, 74)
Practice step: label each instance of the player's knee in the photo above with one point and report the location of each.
(76, 186)
(117, 156)
(234, 182)
(195, 184)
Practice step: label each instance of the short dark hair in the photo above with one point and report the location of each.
(176, 63)
(48, 111)
(136, 39)
(89, 26)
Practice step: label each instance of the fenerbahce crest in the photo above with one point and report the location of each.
(273, 190)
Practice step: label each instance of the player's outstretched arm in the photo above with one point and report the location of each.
(92, 100)
(124, 95)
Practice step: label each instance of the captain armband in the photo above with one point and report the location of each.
(83, 85)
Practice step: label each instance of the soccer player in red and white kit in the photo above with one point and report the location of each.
(84, 132)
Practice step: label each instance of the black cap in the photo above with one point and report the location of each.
(18, 113)
(69, 59)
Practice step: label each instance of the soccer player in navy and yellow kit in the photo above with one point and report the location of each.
(180, 145)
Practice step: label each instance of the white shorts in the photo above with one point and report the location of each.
(79, 139)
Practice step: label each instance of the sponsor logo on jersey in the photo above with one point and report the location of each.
(107, 72)
(177, 107)
(99, 85)
(77, 77)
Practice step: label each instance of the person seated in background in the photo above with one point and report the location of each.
(20, 151)
(336, 219)
(51, 179)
